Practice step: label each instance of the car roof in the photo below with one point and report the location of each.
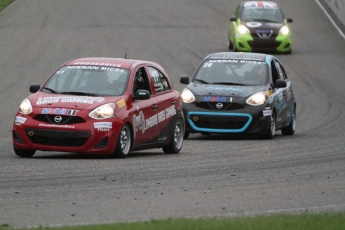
(107, 61)
(260, 4)
(238, 55)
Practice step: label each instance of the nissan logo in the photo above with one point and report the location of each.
(219, 105)
(58, 119)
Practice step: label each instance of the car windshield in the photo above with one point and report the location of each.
(232, 72)
(88, 80)
(262, 14)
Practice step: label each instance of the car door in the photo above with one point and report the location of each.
(145, 123)
(166, 100)
(282, 95)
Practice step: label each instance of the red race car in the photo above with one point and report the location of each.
(107, 106)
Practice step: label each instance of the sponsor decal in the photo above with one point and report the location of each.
(19, 120)
(72, 112)
(140, 123)
(260, 4)
(253, 24)
(69, 99)
(267, 113)
(214, 99)
(121, 103)
(57, 111)
(56, 126)
(97, 64)
(105, 125)
(277, 25)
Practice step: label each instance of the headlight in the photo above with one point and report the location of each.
(284, 30)
(103, 112)
(187, 96)
(25, 107)
(242, 29)
(257, 99)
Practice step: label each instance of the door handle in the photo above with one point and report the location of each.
(154, 106)
(173, 102)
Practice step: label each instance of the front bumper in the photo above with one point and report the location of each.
(249, 43)
(77, 138)
(249, 120)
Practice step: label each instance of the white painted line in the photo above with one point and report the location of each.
(330, 18)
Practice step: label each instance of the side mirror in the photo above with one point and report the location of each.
(184, 80)
(289, 20)
(233, 19)
(34, 88)
(280, 83)
(142, 94)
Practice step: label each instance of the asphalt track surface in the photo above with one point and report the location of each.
(213, 175)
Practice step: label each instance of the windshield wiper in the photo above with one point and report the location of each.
(79, 93)
(50, 90)
(202, 81)
(226, 83)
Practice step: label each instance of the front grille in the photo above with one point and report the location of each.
(57, 137)
(65, 119)
(264, 43)
(213, 121)
(213, 106)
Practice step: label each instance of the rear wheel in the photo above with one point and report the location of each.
(124, 142)
(176, 141)
(24, 153)
(272, 127)
(290, 130)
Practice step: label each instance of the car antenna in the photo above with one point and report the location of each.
(125, 55)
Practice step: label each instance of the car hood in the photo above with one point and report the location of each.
(253, 26)
(225, 90)
(46, 100)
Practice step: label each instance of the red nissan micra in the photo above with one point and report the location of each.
(107, 106)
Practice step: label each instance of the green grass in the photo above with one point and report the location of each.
(4, 3)
(305, 221)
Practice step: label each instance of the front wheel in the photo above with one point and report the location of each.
(176, 141)
(24, 153)
(272, 127)
(290, 129)
(124, 142)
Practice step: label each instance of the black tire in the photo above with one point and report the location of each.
(290, 130)
(176, 140)
(272, 127)
(231, 46)
(24, 153)
(124, 142)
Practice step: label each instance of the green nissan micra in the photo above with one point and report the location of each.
(259, 26)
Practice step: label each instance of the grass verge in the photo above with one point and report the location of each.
(4, 3)
(305, 221)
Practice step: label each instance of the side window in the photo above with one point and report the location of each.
(141, 80)
(275, 73)
(237, 12)
(281, 71)
(160, 81)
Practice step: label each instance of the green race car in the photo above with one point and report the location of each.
(259, 26)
